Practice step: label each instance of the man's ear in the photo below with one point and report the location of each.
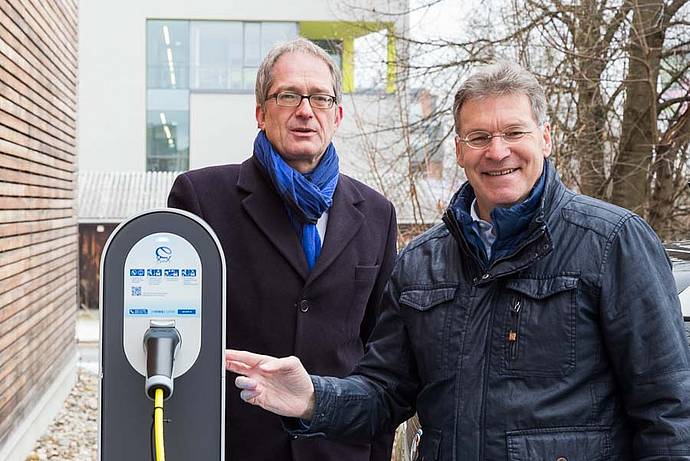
(459, 155)
(259, 117)
(338, 116)
(547, 140)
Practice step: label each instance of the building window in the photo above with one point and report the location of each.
(167, 54)
(365, 52)
(167, 96)
(167, 130)
(225, 55)
(334, 48)
(370, 61)
(187, 56)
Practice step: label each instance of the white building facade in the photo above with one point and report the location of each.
(169, 85)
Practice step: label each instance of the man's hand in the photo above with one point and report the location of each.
(281, 386)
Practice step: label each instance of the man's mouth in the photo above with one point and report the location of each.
(303, 130)
(501, 172)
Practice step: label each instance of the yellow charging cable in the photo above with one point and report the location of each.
(158, 425)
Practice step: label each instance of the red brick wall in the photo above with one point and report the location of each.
(38, 231)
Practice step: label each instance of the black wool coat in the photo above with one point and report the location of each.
(276, 306)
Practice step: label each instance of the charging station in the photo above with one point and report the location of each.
(162, 306)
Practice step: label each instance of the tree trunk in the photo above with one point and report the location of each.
(667, 180)
(631, 172)
(588, 142)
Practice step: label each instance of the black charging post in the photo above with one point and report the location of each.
(162, 327)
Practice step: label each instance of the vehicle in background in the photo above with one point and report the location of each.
(679, 253)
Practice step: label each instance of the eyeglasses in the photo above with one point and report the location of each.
(481, 139)
(290, 99)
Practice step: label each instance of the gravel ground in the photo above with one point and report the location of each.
(73, 436)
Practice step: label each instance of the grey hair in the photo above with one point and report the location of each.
(501, 78)
(264, 76)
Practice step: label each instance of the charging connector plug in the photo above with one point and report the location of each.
(161, 343)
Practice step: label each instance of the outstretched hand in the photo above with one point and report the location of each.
(281, 386)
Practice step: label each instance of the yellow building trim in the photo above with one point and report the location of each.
(347, 32)
(391, 56)
(348, 65)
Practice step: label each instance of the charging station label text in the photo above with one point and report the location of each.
(162, 280)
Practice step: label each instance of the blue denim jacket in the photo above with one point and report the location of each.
(569, 348)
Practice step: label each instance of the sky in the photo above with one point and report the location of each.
(443, 19)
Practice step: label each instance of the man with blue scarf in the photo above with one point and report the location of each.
(308, 250)
(534, 323)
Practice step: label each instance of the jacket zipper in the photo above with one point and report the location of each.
(539, 234)
(454, 228)
(514, 332)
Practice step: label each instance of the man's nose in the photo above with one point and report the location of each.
(304, 109)
(497, 149)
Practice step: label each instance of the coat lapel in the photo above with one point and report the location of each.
(266, 209)
(344, 221)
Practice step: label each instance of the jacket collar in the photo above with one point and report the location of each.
(265, 207)
(458, 220)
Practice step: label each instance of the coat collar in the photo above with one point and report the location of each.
(537, 236)
(264, 206)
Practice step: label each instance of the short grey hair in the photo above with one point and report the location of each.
(264, 76)
(501, 78)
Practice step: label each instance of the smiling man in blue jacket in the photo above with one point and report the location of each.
(534, 323)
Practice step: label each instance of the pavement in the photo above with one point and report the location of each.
(88, 325)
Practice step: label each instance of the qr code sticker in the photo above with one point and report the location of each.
(136, 291)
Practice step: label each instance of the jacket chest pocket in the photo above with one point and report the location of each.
(538, 334)
(428, 314)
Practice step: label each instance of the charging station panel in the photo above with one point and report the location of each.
(162, 266)
(163, 276)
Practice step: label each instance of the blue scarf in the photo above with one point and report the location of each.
(306, 196)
